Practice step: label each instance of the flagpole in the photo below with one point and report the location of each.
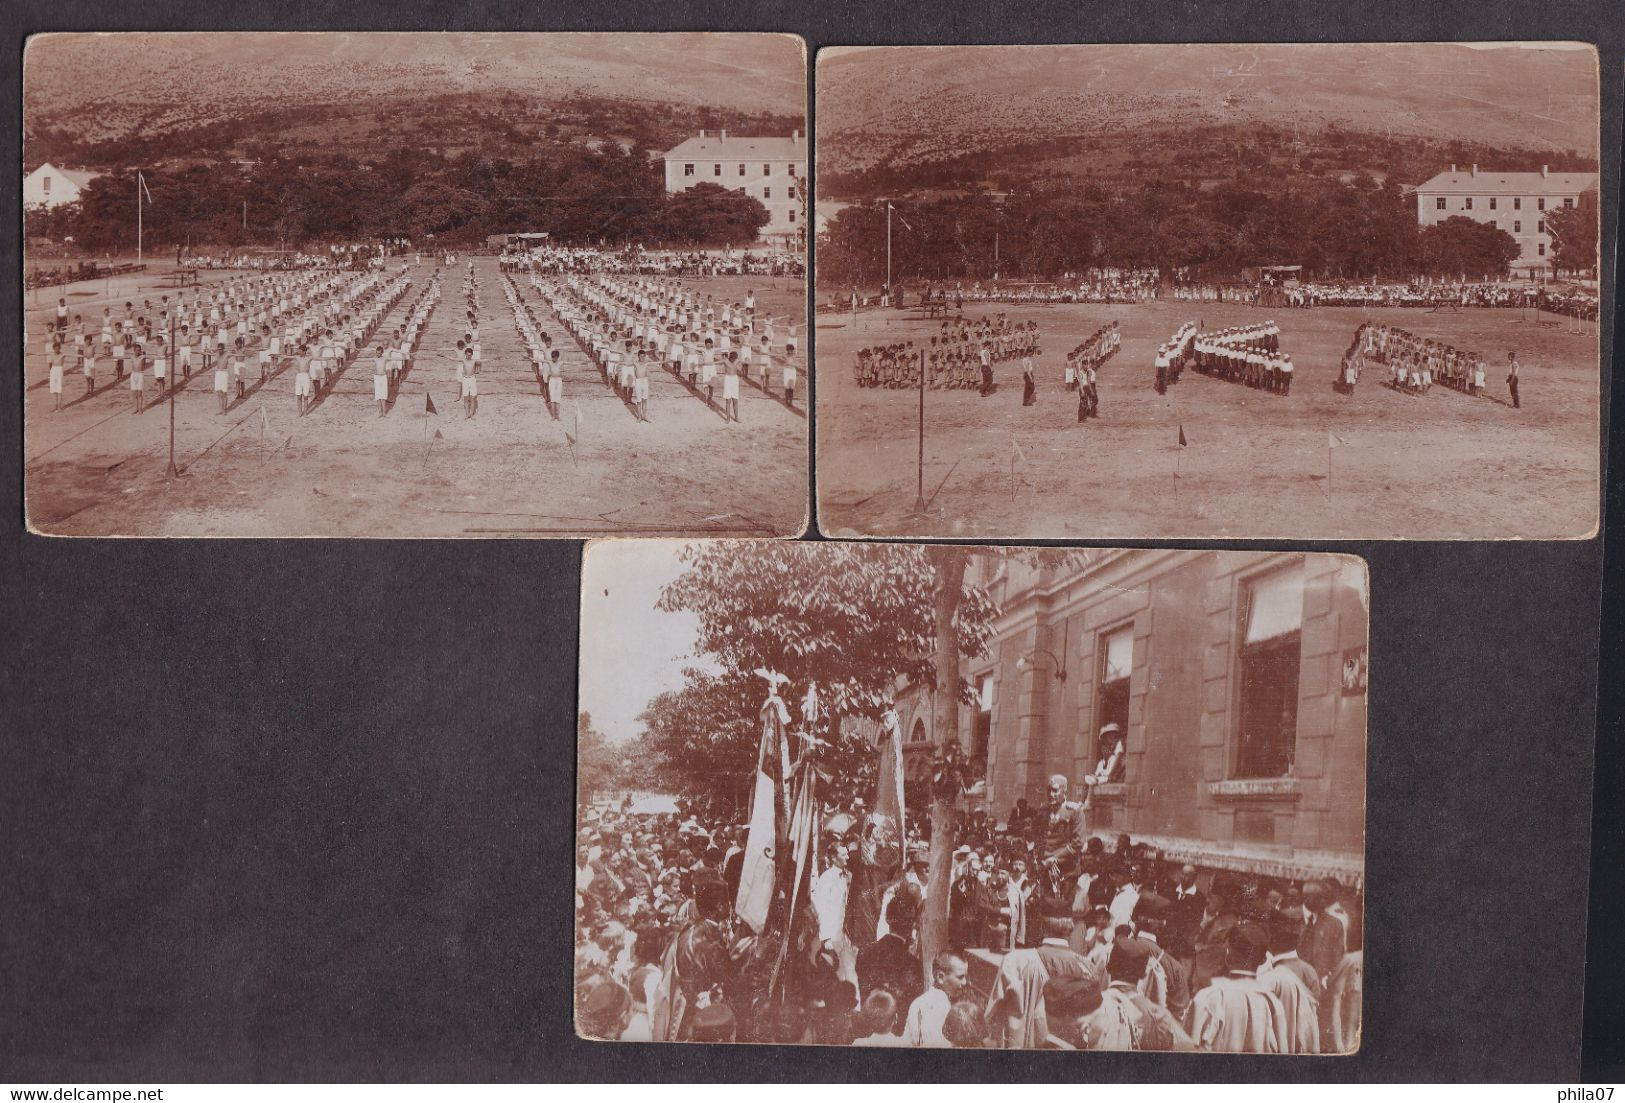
(169, 376)
(138, 216)
(888, 247)
(919, 491)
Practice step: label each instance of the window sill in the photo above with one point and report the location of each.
(1115, 790)
(1267, 788)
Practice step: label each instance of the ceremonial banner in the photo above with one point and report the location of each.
(887, 830)
(767, 817)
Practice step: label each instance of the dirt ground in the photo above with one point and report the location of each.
(1437, 466)
(97, 468)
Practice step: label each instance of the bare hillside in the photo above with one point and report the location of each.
(925, 103)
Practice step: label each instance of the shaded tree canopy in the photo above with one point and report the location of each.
(609, 196)
(855, 622)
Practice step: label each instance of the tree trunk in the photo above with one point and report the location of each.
(949, 567)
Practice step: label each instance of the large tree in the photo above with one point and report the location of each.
(1574, 235)
(862, 621)
(1463, 246)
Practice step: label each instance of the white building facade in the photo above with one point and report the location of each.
(772, 170)
(49, 186)
(1516, 202)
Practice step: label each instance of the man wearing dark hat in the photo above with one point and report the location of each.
(1323, 943)
(1293, 983)
(1126, 1019)
(697, 964)
(1150, 921)
(1208, 948)
(888, 964)
(1075, 982)
(1235, 1013)
(1325, 932)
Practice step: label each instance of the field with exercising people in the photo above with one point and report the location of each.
(516, 468)
(1314, 464)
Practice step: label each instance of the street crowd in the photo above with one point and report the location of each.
(1053, 941)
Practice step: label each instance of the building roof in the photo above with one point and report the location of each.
(1508, 183)
(737, 147)
(78, 177)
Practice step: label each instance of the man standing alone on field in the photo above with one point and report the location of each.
(1512, 377)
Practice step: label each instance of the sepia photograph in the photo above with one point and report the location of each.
(932, 796)
(415, 285)
(1292, 291)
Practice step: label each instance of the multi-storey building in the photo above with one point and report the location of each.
(1516, 202)
(1236, 679)
(773, 170)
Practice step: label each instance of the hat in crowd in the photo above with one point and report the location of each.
(602, 1010)
(1072, 995)
(1152, 906)
(1285, 929)
(1128, 959)
(1246, 945)
(713, 1023)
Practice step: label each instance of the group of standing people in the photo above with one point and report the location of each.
(630, 325)
(1052, 942)
(1083, 365)
(1249, 355)
(1416, 363)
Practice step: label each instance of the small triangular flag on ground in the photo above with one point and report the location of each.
(265, 422)
(1333, 440)
(575, 436)
(428, 404)
(1182, 441)
(438, 435)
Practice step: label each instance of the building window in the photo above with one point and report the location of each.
(1467, 204)
(716, 170)
(1492, 202)
(1111, 704)
(767, 170)
(1540, 227)
(1272, 616)
(767, 193)
(1540, 203)
(1517, 202)
(1543, 248)
(688, 170)
(790, 193)
(1439, 203)
(1568, 201)
(792, 216)
(46, 181)
(1517, 226)
(741, 168)
(981, 732)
